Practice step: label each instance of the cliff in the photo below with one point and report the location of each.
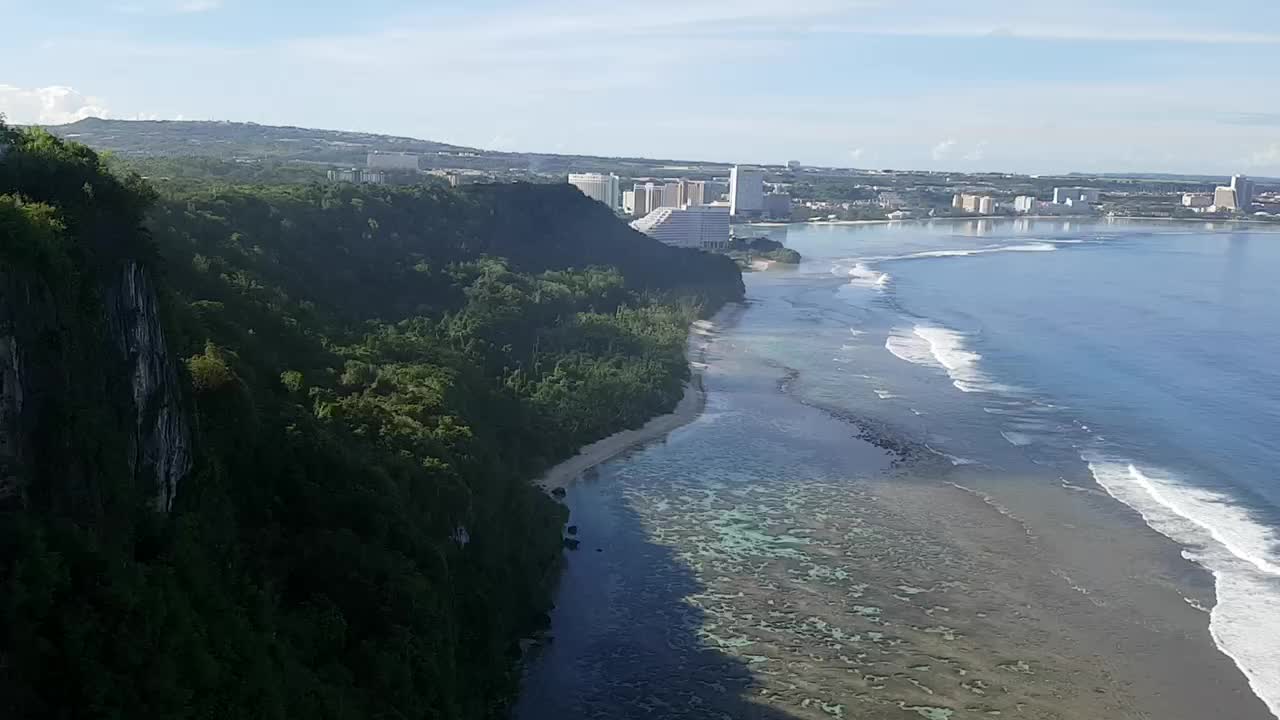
(267, 452)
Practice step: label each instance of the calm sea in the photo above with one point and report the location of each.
(1144, 356)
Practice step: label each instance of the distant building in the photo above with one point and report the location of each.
(793, 165)
(393, 161)
(603, 188)
(746, 191)
(1224, 198)
(672, 194)
(777, 206)
(356, 175)
(713, 190)
(891, 200)
(647, 198)
(1244, 191)
(975, 203)
(957, 201)
(1024, 203)
(1197, 200)
(629, 202)
(1077, 195)
(704, 226)
(694, 192)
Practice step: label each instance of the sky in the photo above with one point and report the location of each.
(979, 85)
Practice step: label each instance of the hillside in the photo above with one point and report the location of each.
(265, 452)
(234, 141)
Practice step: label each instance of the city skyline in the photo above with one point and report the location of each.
(864, 84)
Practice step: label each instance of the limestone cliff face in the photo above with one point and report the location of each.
(160, 438)
(141, 374)
(24, 306)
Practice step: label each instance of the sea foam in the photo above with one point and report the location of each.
(1220, 535)
(862, 275)
(942, 348)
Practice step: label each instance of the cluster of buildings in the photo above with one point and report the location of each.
(980, 204)
(1238, 196)
(1065, 199)
(688, 213)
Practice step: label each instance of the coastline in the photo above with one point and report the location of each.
(690, 407)
(970, 218)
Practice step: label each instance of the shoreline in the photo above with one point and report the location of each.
(688, 409)
(1100, 218)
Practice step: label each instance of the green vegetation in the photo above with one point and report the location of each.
(372, 377)
(744, 250)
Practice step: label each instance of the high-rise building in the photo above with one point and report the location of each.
(957, 201)
(648, 197)
(746, 191)
(1024, 203)
(699, 226)
(672, 194)
(393, 161)
(1197, 200)
(1076, 195)
(976, 203)
(1224, 198)
(629, 202)
(603, 188)
(695, 192)
(1244, 191)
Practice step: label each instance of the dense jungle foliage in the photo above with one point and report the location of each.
(373, 377)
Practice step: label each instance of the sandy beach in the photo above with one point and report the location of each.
(685, 412)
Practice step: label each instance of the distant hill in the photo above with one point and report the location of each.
(229, 141)
(235, 140)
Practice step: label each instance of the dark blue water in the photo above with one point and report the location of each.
(1144, 357)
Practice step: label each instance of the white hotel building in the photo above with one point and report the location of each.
(694, 226)
(603, 188)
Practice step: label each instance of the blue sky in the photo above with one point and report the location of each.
(1028, 86)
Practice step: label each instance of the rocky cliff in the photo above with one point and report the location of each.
(159, 438)
(138, 370)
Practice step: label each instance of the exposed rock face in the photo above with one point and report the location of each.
(20, 304)
(160, 439)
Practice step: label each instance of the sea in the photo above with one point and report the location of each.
(1137, 358)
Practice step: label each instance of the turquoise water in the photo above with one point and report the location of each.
(1146, 355)
(745, 564)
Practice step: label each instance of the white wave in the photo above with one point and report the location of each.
(884, 394)
(864, 276)
(943, 348)
(1016, 438)
(1023, 247)
(857, 333)
(1241, 553)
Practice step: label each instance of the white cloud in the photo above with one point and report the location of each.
(943, 149)
(856, 154)
(1267, 157)
(182, 7)
(52, 105)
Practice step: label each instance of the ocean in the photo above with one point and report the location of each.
(1139, 360)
